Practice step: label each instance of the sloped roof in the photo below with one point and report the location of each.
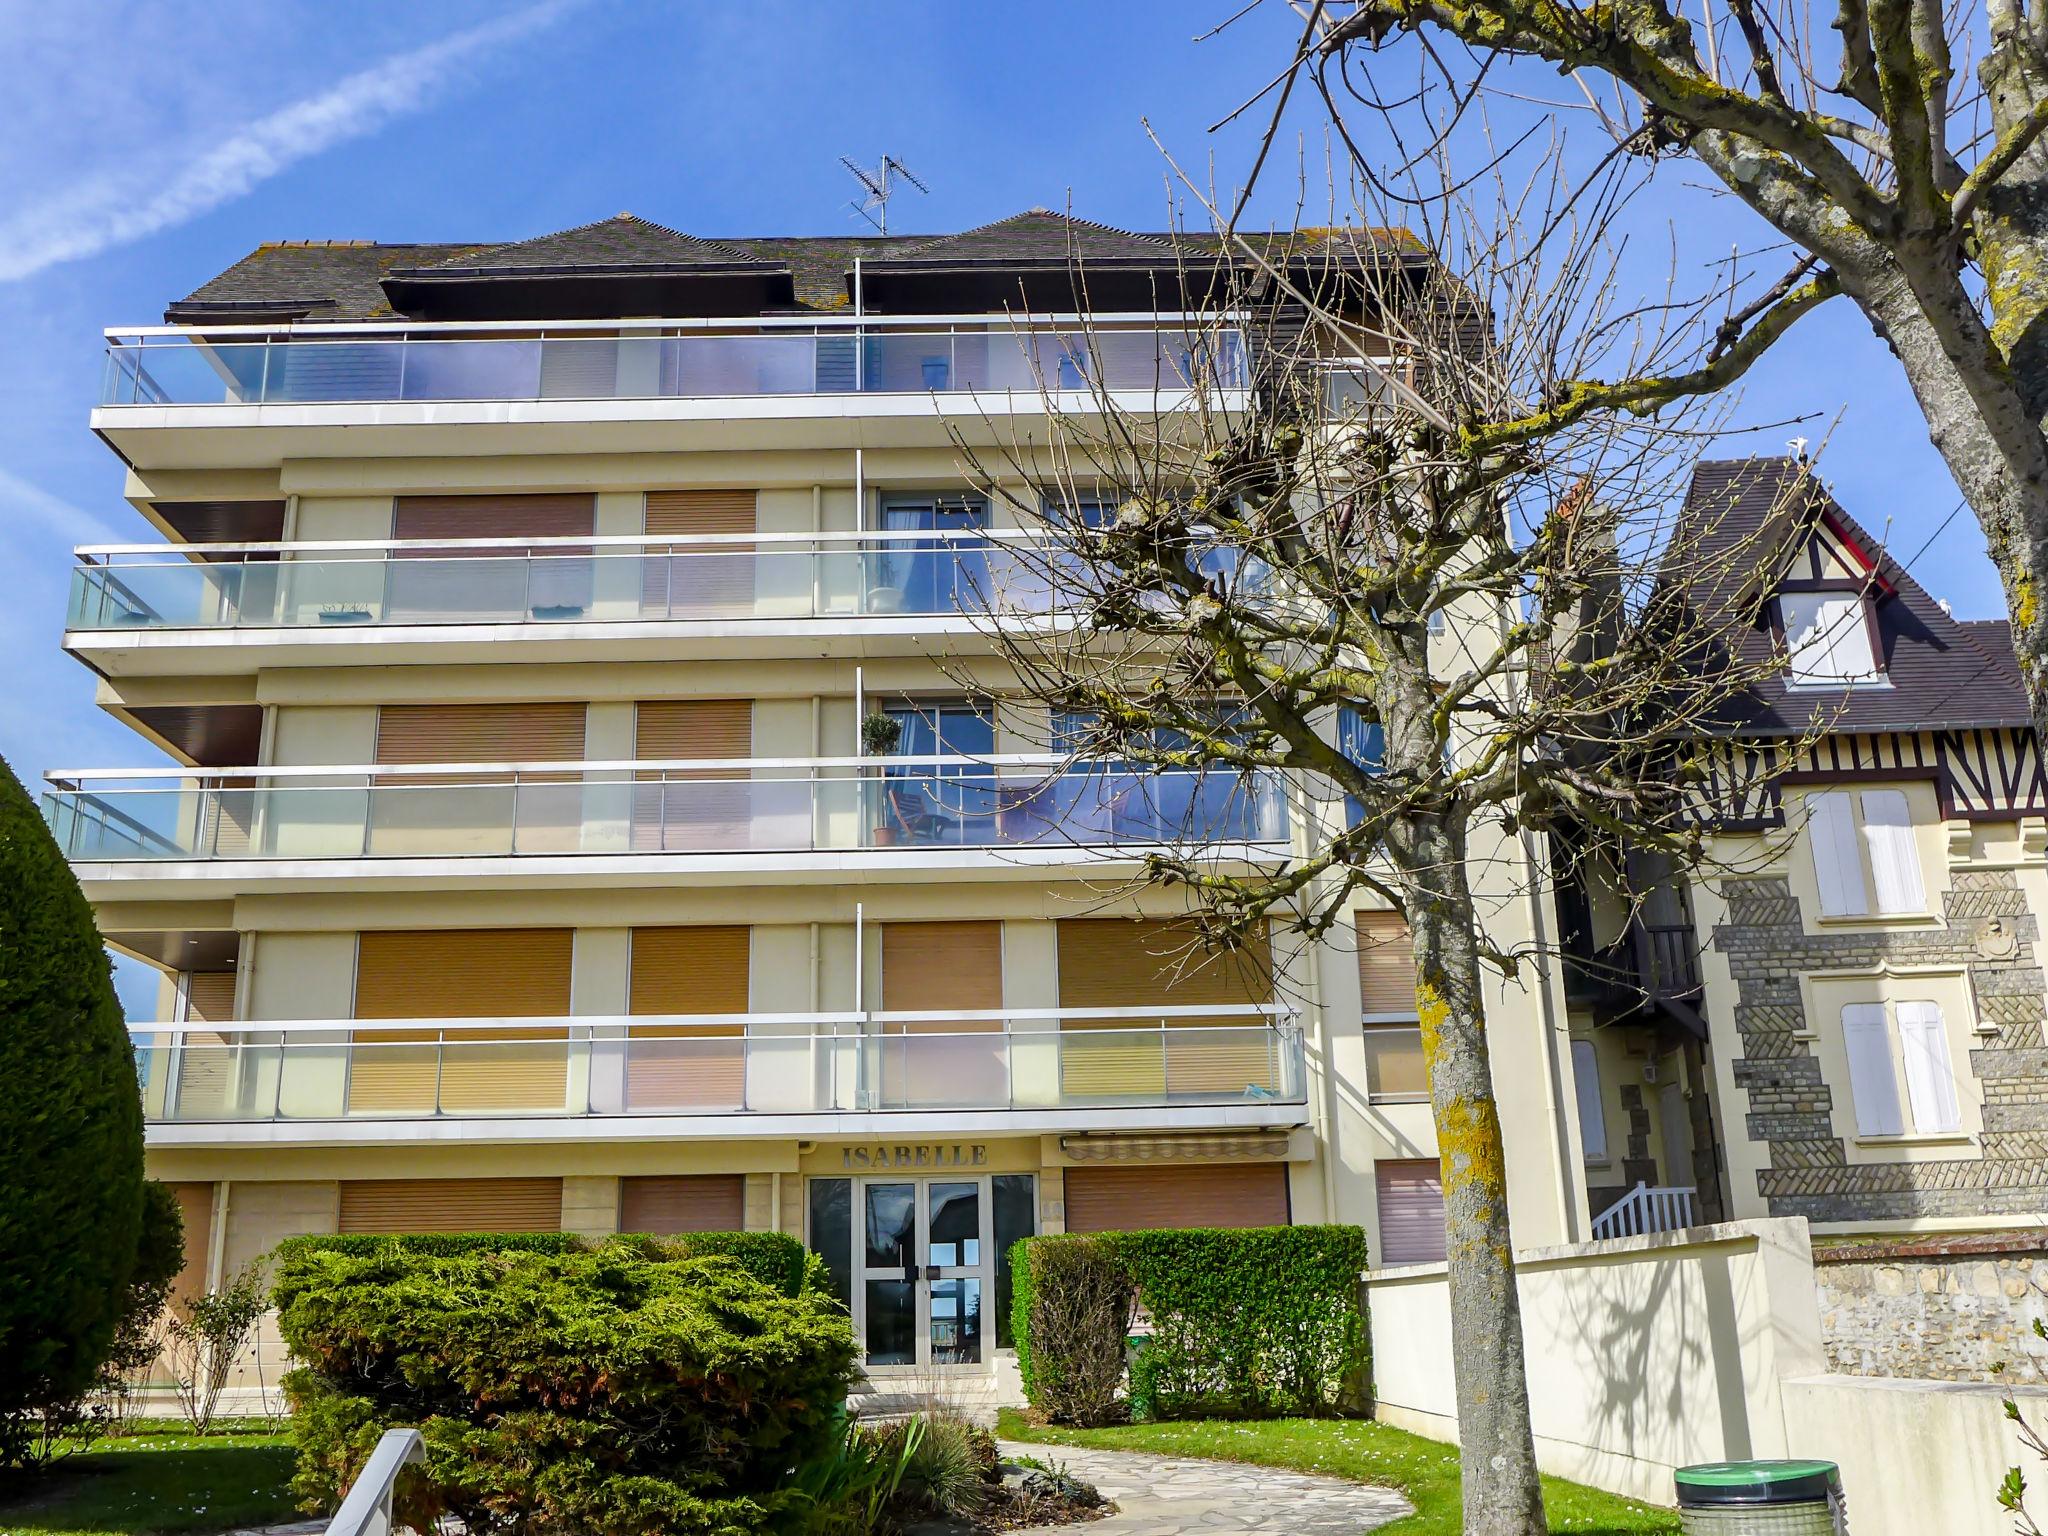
(321, 279)
(1944, 673)
(1036, 236)
(625, 242)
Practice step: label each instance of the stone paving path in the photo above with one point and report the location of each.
(1181, 1496)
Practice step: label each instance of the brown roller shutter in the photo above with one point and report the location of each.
(451, 1205)
(1123, 963)
(1386, 964)
(564, 516)
(454, 974)
(195, 1206)
(686, 1203)
(479, 733)
(1134, 1199)
(552, 581)
(678, 810)
(683, 971)
(1411, 1201)
(705, 581)
(205, 1085)
(930, 966)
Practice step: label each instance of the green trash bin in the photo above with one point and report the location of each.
(1761, 1498)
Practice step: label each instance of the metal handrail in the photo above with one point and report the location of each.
(366, 1511)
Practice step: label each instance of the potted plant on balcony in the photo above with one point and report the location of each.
(880, 735)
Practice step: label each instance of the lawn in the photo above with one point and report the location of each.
(160, 1481)
(1425, 1470)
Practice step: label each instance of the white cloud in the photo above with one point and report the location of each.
(22, 501)
(115, 207)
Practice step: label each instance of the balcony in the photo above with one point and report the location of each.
(757, 370)
(129, 601)
(749, 814)
(740, 1074)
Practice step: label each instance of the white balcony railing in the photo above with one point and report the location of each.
(800, 805)
(400, 1069)
(664, 359)
(1646, 1208)
(346, 584)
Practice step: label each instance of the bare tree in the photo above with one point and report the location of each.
(1443, 656)
(1922, 198)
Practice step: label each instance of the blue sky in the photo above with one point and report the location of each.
(155, 144)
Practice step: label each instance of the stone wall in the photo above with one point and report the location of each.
(1807, 1171)
(1956, 1309)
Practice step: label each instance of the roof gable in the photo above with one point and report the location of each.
(1037, 236)
(623, 242)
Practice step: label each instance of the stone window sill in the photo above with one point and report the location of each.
(1940, 1139)
(1877, 920)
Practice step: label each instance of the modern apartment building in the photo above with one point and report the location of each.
(597, 802)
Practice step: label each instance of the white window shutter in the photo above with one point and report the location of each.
(1894, 860)
(1930, 1070)
(1592, 1117)
(1873, 1083)
(1837, 863)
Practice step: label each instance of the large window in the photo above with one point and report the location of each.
(1592, 1112)
(1364, 742)
(1828, 637)
(1864, 846)
(1394, 1065)
(1895, 1046)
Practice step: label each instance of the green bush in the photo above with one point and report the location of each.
(71, 1200)
(773, 1258)
(604, 1392)
(1245, 1323)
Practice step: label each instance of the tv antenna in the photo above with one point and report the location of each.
(879, 185)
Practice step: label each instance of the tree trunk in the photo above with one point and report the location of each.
(1503, 1496)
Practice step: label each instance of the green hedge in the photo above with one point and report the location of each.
(1245, 1323)
(605, 1392)
(774, 1258)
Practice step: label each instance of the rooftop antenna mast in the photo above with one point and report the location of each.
(879, 184)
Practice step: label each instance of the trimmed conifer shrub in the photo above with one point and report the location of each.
(71, 1200)
(604, 1392)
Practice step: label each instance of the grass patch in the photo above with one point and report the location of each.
(1425, 1470)
(161, 1480)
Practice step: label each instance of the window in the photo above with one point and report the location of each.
(1592, 1114)
(1828, 637)
(1890, 1042)
(1364, 742)
(1411, 1201)
(1863, 842)
(1394, 1064)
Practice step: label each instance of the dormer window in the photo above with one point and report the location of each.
(1830, 638)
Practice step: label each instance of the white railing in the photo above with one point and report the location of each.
(729, 1064)
(366, 1511)
(1645, 1209)
(667, 359)
(340, 584)
(693, 806)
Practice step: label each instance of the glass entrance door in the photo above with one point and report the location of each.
(925, 1276)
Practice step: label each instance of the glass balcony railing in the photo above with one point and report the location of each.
(323, 365)
(758, 807)
(505, 581)
(1098, 1058)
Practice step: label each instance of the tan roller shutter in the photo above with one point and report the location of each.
(454, 974)
(1124, 963)
(205, 1086)
(932, 966)
(195, 1206)
(479, 733)
(714, 1202)
(683, 581)
(1411, 1200)
(683, 971)
(477, 813)
(1386, 964)
(679, 810)
(1134, 1199)
(451, 1205)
